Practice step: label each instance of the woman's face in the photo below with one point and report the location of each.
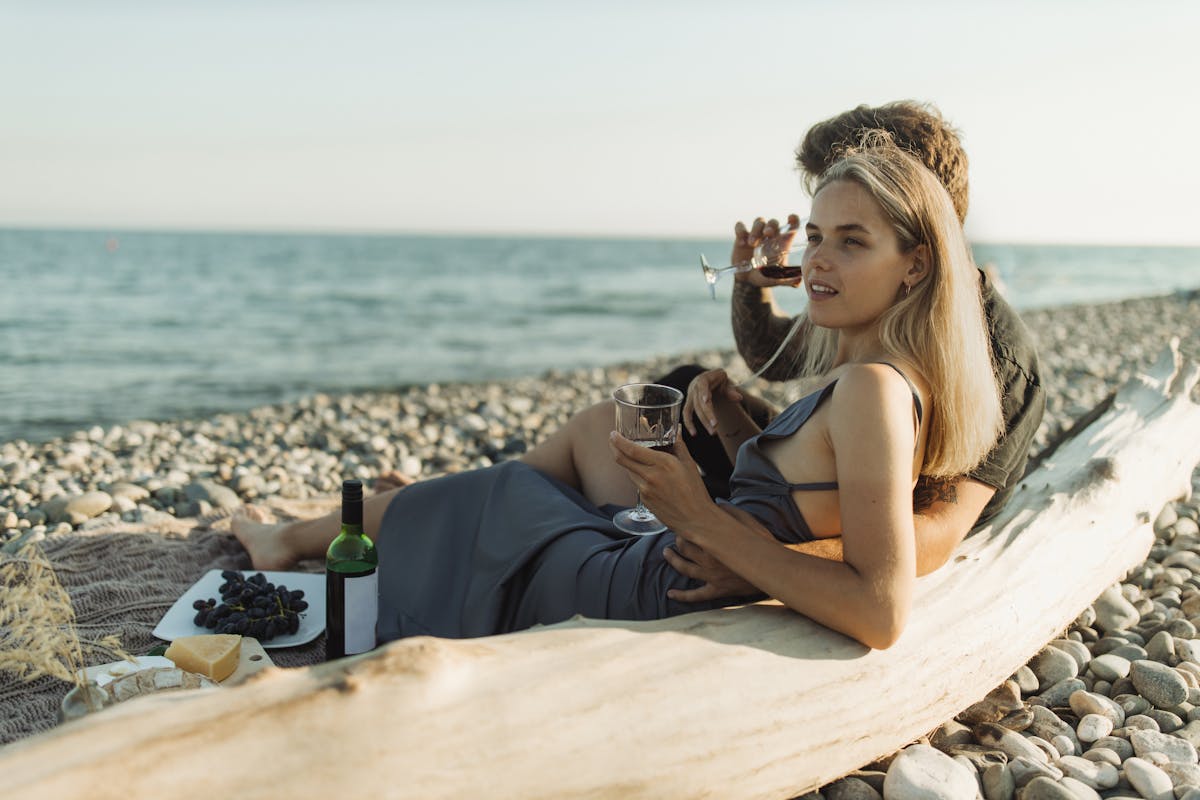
(853, 266)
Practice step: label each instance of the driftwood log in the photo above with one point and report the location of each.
(747, 702)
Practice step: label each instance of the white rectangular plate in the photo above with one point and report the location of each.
(178, 619)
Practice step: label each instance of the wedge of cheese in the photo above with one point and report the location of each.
(213, 655)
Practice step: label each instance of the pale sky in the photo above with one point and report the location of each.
(613, 118)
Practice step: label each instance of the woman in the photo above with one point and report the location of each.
(906, 387)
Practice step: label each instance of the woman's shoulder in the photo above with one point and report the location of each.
(877, 385)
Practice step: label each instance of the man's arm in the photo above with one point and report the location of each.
(948, 510)
(759, 327)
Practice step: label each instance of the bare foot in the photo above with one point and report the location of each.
(263, 540)
(393, 479)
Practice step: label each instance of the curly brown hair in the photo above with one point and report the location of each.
(916, 127)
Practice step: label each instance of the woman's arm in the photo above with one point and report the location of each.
(866, 596)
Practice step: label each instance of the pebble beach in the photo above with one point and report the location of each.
(1110, 709)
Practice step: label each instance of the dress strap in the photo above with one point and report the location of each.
(911, 387)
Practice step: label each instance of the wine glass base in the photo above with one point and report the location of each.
(638, 523)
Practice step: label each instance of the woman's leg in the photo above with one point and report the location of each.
(281, 545)
(578, 454)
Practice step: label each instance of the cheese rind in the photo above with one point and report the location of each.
(213, 655)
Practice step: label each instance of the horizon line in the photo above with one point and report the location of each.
(499, 234)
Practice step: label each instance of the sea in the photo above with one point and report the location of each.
(104, 327)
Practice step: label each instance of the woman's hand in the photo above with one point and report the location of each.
(775, 243)
(669, 483)
(704, 392)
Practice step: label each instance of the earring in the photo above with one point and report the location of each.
(907, 289)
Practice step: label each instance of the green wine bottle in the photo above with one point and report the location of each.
(351, 582)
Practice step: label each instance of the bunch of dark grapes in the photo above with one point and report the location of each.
(251, 607)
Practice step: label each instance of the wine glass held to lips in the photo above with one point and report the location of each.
(760, 253)
(647, 415)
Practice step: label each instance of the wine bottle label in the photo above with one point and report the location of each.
(362, 611)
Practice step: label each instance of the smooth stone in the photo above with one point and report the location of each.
(998, 783)
(1084, 703)
(212, 492)
(1050, 750)
(1141, 722)
(1076, 650)
(1078, 789)
(1096, 774)
(1113, 611)
(1065, 745)
(999, 702)
(949, 734)
(1024, 770)
(123, 505)
(1014, 745)
(1044, 788)
(55, 508)
(1086, 619)
(1050, 726)
(88, 505)
(1175, 749)
(1017, 720)
(1051, 666)
(1161, 647)
(1103, 755)
(129, 491)
(1165, 519)
(1026, 680)
(1132, 704)
(1182, 775)
(1120, 746)
(1093, 727)
(1190, 733)
(1168, 722)
(1181, 629)
(873, 778)
(921, 772)
(1109, 667)
(1150, 781)
(1188, 649)
(978, 756)
(1060, 693)
(1158, 683)
(1191, 793)
(850, 789)
(1129, 651)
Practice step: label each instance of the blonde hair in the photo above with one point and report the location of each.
(939, 326)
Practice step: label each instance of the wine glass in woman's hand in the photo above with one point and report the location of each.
(647, 415)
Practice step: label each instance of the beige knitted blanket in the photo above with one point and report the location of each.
(122, 582)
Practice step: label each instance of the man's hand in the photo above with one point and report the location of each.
(693, 562)
(775, 244)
